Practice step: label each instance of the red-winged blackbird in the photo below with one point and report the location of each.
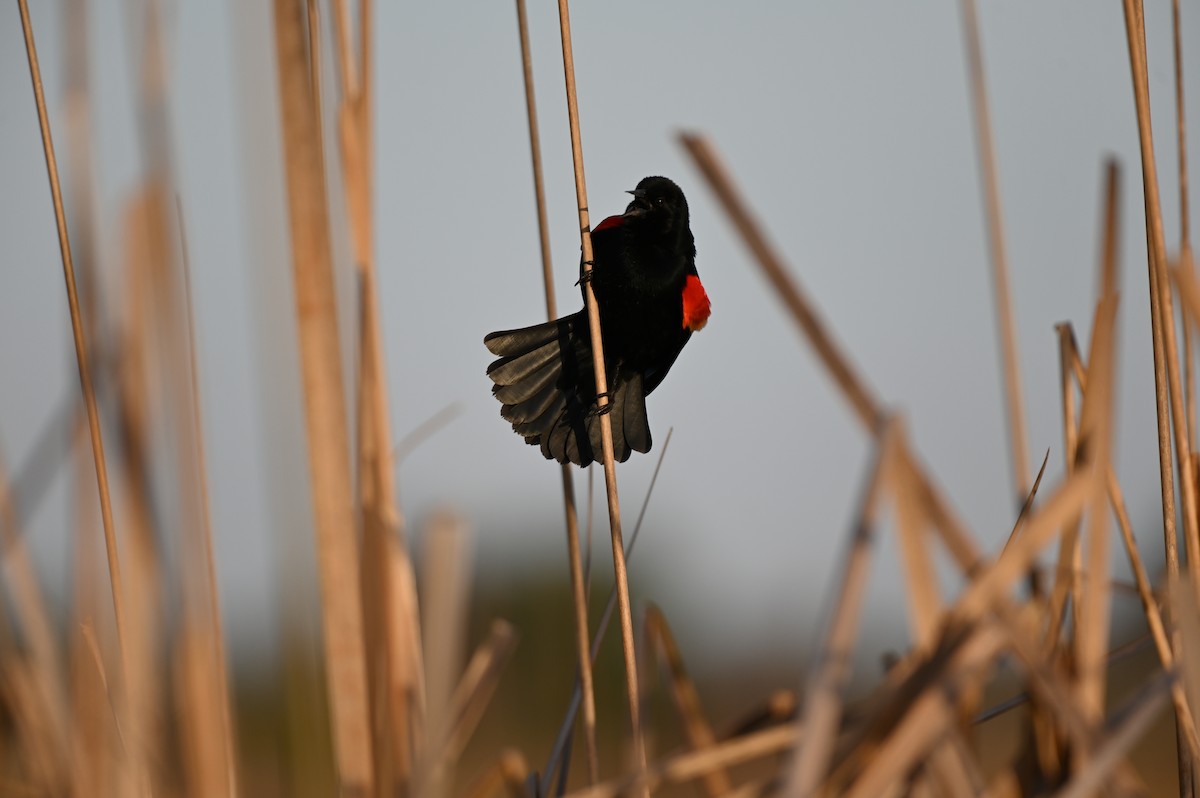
(650, 301)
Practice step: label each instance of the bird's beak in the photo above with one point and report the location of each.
(639, 205)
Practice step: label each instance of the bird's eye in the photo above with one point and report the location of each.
(658, 201)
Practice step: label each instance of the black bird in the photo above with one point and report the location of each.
(650, 300)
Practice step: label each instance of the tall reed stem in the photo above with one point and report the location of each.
(610, 470)
(578, 589)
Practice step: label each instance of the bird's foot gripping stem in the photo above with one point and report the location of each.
(586, 276)
(602, 409)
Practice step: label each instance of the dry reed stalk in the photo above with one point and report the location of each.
(1162, 308)
(381, 516)
(380, 525)
(578, 589)
(325, 410)
(198, 706)
(1066, 569)
(928, 714)
(144, 586)
(561, 742)
(1164, 329)
(831, 672)
(1091, 637)
(602, 400)
(217, 734)
(1186, 614)
(33, 617)
(1095, 437)
(475, 690)
(1185, 238)
(444, 580)
(1145, 591)
(696, 727)
(1052, 687)
(995, 227)
(693, 765)
(407, 683)
(93, 753)
(164, 268)
(1045, 677)
(924, 599)
(1070, 551)
(81, 351)
(1136, 718)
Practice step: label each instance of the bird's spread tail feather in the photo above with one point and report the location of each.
(543, 380)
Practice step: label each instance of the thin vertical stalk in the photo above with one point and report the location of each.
(823, 702)
(387, 663)
(217, 653)
(1188, 741)
(1161, 307)
(1185, 238)
(610, 471)
(995, 226)
(696, 727)
(325, 406)
(81, 351)
(578, 589)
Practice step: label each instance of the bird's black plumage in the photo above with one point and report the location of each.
(650, 301)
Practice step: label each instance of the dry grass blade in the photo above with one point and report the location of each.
(610, 473)
(995, 227)
(325, 412)
(831, 672)
(687, 700)
(578, 588)
(695, 764)
(81, 354)
(1027, 506)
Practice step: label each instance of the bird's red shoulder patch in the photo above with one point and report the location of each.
(696, 307)
(609, 223)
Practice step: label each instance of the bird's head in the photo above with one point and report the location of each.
(660, 202)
